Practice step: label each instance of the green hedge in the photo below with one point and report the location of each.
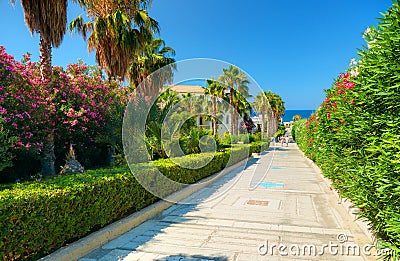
(355, 134)
(40, 217)
(258, 146)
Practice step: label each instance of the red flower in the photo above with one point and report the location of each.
(349, 85)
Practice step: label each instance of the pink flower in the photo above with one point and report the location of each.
(73, 123)
(334, 104)
(327, 100)
(3, 110)
(349, 85)
(70, 112)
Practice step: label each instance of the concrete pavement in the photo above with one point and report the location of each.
(275, 208)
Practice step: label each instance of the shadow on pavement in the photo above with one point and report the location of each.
(192, 258)
(152, 235)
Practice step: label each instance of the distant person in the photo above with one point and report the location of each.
(287, 141)
(273, 140)
(281, 140)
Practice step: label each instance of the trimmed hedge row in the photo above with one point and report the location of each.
(258, 146)
(355, 134)
(40, 217)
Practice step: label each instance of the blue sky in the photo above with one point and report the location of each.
(293, 48)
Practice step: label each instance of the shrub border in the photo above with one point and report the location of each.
(96, 239)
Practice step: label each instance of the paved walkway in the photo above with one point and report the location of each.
(292, 208)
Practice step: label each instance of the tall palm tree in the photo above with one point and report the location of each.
(262, 106)
(117, 30)
(243, 107)
(154, 56)
(277, 110)
(216, 90)
(48, 18)
(233, 77)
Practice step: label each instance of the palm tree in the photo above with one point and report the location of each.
(262, 106)
(117, 30)
(154, 56)
(234, 78)
(48, 18)
(155, 122)
(277, 110)
(297, 117)
(167, 99)
(243, 107)
(216, 90)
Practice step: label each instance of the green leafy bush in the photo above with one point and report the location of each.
(39, 217)
(355, 134)
(258, 146)
(6, 143)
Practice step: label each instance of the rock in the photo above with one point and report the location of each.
(72, 166)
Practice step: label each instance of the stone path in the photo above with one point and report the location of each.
(284, 218)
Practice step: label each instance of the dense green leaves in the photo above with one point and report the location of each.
(39, 217)
(355, 134)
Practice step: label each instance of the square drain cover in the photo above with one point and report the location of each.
(257, 202)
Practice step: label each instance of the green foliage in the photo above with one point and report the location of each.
(39, 217)
(258, 146)
(5, 147)
(280, 132)
(355, 135)
(257, 136)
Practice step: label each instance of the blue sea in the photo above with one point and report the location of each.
(290, 113)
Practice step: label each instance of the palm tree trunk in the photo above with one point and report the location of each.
(214, 112)
(262, 124)
(48, 155)
(267, 120)
(232, 113)
(236, 126)
(271, 124)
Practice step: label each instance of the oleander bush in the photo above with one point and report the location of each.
(355, 134)
(40, 217)
(82, 109)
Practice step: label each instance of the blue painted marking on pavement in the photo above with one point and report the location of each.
(270, 184)
(277, 168)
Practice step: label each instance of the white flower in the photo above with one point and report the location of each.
(353, 62)
(354, 72)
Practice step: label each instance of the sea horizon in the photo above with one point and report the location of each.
(305, 114)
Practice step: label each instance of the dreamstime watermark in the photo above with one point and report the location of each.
(341, 247)
(151, 93)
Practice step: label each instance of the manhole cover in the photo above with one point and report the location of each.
(258, 202)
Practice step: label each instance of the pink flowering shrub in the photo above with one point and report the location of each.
(82, 108)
